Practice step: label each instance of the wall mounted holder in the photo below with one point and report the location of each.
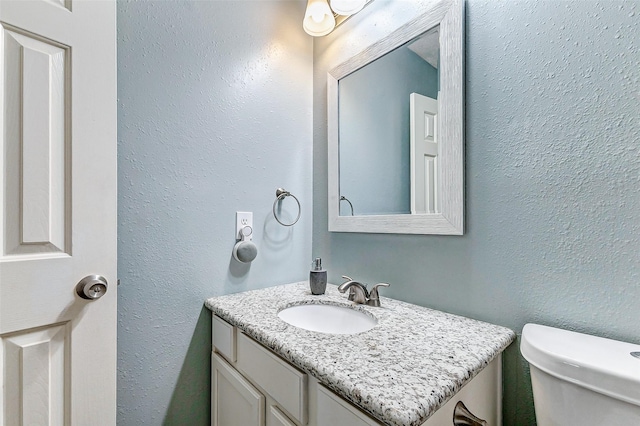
(245, 251)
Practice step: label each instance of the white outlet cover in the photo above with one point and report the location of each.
(244, 219)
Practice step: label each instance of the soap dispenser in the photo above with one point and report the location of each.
(317, 278)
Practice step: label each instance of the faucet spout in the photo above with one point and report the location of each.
(359, 291)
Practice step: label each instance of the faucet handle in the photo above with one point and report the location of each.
(347, 278)
(374, 297)
(375, 287)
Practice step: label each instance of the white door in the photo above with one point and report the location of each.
(58, 212)
(424, 154)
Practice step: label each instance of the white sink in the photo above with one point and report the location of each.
(328, 319)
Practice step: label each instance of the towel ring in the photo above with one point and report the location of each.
(281, 194)
(343, 198)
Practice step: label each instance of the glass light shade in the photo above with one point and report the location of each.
(318, 18)
(347, 7)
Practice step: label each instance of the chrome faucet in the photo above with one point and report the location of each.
(358, 292)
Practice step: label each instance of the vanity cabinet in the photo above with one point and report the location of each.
(253, 386)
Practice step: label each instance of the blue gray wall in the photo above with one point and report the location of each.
(374, 131)
(214, 113)
(552, 175)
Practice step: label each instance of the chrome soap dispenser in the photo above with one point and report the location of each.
(317, 278)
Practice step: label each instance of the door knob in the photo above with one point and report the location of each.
(92, 287)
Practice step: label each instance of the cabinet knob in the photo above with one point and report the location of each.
(463, 417)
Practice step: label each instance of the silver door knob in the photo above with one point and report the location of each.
(92, 287)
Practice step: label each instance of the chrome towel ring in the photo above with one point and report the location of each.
(343, 198)
(281, 194)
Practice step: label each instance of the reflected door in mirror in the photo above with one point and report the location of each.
(375, 127)
(424, 154)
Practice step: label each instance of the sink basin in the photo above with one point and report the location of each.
(328, 319)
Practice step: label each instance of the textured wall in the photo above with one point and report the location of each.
(374, 131)
(552, 175)
(214, 114)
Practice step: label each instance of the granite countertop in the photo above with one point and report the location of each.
(400, 372)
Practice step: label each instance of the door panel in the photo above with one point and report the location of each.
(57, 211)
(35, 142)
(35, 365)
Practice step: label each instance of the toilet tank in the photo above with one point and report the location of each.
(582, 380)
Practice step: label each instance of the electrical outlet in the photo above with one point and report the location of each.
(244, 219)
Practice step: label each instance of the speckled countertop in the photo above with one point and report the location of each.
(400, 372)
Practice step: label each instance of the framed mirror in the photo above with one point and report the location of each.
(396, 130)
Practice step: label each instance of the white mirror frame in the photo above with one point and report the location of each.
(449, 14)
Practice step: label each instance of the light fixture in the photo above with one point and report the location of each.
(347, 7)
(318, 18)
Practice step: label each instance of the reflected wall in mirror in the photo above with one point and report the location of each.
(395, 128)
(379, 107)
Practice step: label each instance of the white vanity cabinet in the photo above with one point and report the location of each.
(252, 386)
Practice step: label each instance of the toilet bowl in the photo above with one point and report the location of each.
(581, 380)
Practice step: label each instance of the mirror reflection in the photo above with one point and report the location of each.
(387, 115)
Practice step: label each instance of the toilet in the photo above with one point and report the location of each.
(582, 380)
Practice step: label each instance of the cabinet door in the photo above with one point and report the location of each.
(482, 396)
(234, 401)
(278, 418)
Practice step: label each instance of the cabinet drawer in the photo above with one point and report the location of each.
(223, 338)
(333, 410)
(285, 383)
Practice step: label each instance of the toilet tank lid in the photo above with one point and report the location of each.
(602, 365)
